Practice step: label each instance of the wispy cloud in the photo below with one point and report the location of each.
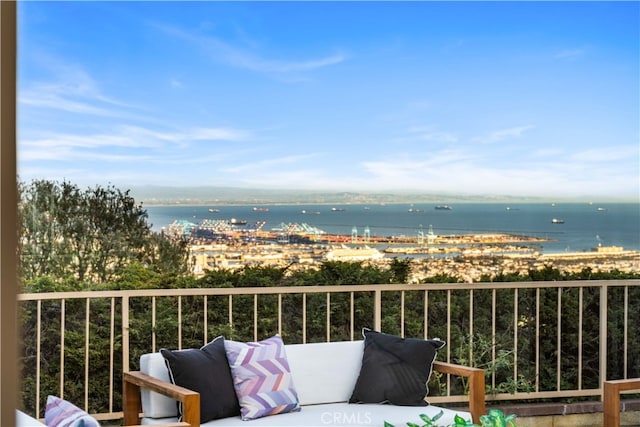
(502, 134)
(55, 98)
(469, 175)
(65, 146)
(429, 134)
(239, 57)
(175, 83)
(606, 154)
(269, 163)
(71, 89)
(570, 53)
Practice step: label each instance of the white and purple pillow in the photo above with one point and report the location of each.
(61, 413)
(262, 378)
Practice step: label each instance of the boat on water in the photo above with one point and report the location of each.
(214, 210)
(261, 209)
(443, 208)
(338, 209)
(306, 212)
(412, 210)
(234, 221)
(557, 221)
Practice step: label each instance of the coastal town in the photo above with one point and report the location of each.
(468, 257)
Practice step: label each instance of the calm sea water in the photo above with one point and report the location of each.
(585, 225)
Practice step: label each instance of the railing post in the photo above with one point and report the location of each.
(125, 333)
(377, 310)
(9, 339)
(604, 310)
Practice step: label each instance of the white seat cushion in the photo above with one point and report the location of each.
(342, 415)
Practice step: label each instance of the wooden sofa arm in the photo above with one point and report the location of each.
(476, 385)
(135, 380)
(611, 404)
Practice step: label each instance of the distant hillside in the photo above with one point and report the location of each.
(159, 195)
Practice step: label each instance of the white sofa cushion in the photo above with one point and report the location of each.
(24, 420)
(156, 405)
(325, 372)
(340, 415)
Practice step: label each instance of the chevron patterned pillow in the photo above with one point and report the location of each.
(261, 377)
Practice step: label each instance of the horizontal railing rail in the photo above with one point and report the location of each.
(536, 340)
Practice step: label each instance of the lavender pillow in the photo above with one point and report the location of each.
(61, 413)
(262, 378)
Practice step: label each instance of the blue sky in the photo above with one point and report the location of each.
(499, 98)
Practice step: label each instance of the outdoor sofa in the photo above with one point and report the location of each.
(316, 382)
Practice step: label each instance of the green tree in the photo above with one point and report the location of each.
(89, 235)
(400, 269)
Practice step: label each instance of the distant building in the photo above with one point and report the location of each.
(354, 254)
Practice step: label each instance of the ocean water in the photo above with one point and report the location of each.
(585, 225)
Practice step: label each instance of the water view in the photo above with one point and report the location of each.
(577, 226)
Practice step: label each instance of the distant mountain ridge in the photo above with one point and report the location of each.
(209, 195)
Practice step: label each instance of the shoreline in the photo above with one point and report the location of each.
(248, 204)
(469, 260)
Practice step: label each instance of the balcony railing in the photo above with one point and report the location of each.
(537, 340)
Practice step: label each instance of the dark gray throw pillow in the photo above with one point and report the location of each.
(394, 369)
(205, 370)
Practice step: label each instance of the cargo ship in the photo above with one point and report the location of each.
(443, 208)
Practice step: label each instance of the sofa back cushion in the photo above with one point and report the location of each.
(322, 373)
(395, 370)
(156, 405)
(206, 371)
(325, 372)
(262, 377)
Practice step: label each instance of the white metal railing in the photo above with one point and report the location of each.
(390, 308)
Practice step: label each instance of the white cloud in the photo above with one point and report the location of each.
(68, 141)
(606, 154)
(71, 89)
(218, 134)
(457, 171)
(44, 98)
(64, 146)
(570, 53)
(244, 58)
(269, 164)
(438, 137)
(427, 134)
(502, 134)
